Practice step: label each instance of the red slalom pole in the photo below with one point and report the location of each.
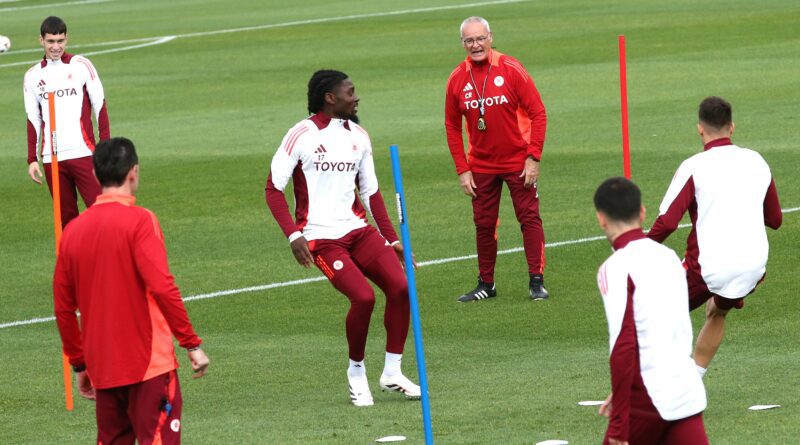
(51, 101)
(623, 93)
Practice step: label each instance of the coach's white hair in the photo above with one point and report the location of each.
(474, 19)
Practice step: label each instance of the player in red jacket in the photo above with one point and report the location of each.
(506, 124)
(112, 266)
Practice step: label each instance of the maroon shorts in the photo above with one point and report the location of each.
(649, 431)
(74, 176)
(149, 412)
(699, 293)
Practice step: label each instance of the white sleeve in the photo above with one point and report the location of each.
(367, 181)
(288, 155)
(93, 85)
(32, 108)
(613, 284)
(679, 180)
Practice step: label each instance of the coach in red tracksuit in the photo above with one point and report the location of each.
(506, 124)
(112, 266)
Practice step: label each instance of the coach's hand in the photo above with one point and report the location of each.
(467, 183)
(199, 362)
(398, 249)
(34, 172)
(605, 408)
(301, 252)
(531, 172)
(85, 388)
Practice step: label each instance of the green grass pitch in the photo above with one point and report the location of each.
(208, 110)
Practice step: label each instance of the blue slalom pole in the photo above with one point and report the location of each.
(412, 292)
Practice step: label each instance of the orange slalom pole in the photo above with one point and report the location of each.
(623, 91)
(51, 101)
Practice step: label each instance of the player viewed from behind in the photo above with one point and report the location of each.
(657, 397)
(730, 196)
(75, 83)
(506, 124)
(328, 156)
(112, 266)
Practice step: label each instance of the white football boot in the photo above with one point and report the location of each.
(360, 394)
(399, 383)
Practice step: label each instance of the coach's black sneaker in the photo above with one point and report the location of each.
(483, 291)
(537, 291)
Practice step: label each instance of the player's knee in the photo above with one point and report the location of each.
(364, 298)
(398, 290)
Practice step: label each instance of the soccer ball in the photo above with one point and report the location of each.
(5, 44)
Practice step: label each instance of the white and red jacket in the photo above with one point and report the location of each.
(730, 196)
(644, 292)
(515, 117)
(326, 159)
(78, 91)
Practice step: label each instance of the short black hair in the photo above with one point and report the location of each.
(113, 159)
(619, 199)
(53, 25)
(715, 112)
(322, 82)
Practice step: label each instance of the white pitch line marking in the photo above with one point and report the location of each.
(160, 40)
(262, 287)
(267, 26)
(52, 5)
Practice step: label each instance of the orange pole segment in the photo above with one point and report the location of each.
(51, 101)
(623, 92)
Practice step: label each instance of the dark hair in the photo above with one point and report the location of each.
(715, 112)
(113, 159)
(619, 199)
(53, 25)
(323, 81)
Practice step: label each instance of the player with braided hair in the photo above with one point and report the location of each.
(328, 156)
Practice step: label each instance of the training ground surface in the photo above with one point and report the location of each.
(207, 110)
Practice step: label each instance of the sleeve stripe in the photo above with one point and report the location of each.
(88, 67)
(517, 67)
(293, 138)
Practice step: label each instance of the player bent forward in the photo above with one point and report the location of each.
(656, 395)
(328, 156)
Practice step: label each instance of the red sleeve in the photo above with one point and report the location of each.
(668, 222)
(150, 256)
(33, 141)
(773, 216)
(381, 217)
(453, 121)
(534, 108)
(102, 123)
(65, 304)
(624, 364)
(276, 201)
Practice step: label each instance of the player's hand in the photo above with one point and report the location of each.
(398, 249)
(605, 408)
(467, 184)
(34, 172)
(613, 441)
(199, 362)
(530, 173)
(301, 252)
(85, 388)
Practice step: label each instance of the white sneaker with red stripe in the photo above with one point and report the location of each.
(399, 383)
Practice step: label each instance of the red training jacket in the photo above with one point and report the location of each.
(516, 120)
(112, 266)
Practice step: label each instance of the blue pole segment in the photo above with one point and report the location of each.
(412, 293)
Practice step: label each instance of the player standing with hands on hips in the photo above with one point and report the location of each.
(76, 85)
(328, 156)
(656, 398)
(113, 268)
(506, 123)
(730, 196)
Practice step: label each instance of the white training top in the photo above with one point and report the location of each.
(70, 82)
(730, 183)
(660, 315)
(330, 162)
